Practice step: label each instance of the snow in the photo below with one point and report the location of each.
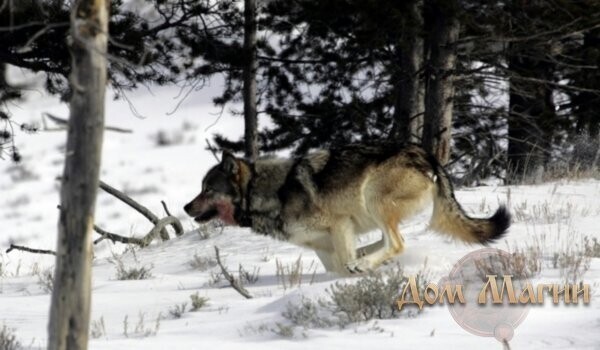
(556, 214)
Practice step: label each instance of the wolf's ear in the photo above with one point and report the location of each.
(229, 163)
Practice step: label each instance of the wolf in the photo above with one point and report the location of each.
(324, 199)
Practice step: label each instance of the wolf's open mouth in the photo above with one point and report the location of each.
(207, 215)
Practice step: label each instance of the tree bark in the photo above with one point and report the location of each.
(437, 126)
(249, 76)
(70, 309)
(588, 103)
(531, 116)
(409, 107)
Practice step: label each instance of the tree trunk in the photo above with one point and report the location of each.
(250, 67)
(587, 104)
(3, 83)
(70, 309)
(437, 126)
(409, 107)
(531, 115)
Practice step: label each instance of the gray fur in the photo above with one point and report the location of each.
(270, 176)
(323, 200)
(265, 206)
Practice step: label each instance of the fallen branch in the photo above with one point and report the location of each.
(160, 225)
(165, 208)
(30, 250)
(143, 241)
(164, 235)
(114, 237)
(64, 122)
(235, 284)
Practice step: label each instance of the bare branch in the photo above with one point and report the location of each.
(144, 241)
(30, 250)
(116, 238)
(235, 284)
(165, 208)
(137, 206)
(64, 122)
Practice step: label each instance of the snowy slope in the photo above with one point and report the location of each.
(557, 214)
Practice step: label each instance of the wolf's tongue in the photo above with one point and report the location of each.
(226, 210)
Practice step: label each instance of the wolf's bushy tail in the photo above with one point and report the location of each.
(449, 217)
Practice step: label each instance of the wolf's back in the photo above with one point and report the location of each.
(449, 217)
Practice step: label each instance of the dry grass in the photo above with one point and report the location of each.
(591, 247)
(124, 272)
(523, 262)
(587, 167)
(8, 339)
(247, 277)
(198, 302)
(132, 272)
(141, 329)
(572, 263)
(98, 328)
(46, 279)
(202, 263)
(278, 328)
(291, 275)
(177, 310)
(568, 252)
(548, 213)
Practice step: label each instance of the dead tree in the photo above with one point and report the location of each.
(249, 91)
(70, 309)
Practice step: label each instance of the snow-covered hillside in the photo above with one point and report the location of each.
(554, 217)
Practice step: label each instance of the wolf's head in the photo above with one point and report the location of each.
(222, 190)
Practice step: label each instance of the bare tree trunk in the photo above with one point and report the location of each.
(70, 309)
(437, 128)
(250, 67)
(409, 107)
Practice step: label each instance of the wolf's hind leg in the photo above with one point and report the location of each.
(389, 246)
(392, 242)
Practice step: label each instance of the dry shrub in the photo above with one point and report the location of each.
(370, 297)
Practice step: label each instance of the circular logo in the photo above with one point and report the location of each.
(495, 315)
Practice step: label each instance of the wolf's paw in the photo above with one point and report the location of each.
(358, 266)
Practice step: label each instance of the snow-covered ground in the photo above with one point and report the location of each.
(555, 215)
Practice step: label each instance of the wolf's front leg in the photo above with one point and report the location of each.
(344, 246)
(330, 261)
